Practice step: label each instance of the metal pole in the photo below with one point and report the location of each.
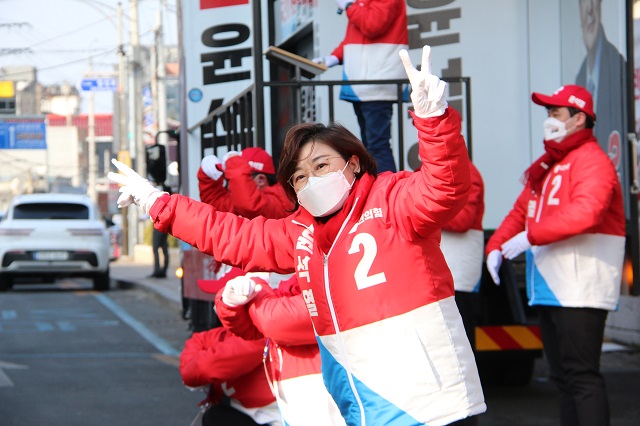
(135, 117)
(161, 76)
(123, 155)
(258, 105)
(91, 151)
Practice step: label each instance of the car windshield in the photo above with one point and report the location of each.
(51, 211)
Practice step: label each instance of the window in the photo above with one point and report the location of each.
(51, 211)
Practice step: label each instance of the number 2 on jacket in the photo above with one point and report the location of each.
(555, 186)
(361, 275)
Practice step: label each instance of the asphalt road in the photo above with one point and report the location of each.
(536, 403)
(71, 356)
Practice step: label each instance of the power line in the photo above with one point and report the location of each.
(11, 25)
(67, 33)
(84, 59)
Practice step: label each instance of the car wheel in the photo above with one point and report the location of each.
(6, 282)
(102, 281)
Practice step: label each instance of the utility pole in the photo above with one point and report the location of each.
(123, 154)
(161, 75)
(91, 151)
(136, 147)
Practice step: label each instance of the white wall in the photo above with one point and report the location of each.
(63, 151)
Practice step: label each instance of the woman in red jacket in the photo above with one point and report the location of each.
(366, 252)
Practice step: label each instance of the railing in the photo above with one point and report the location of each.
(239, 130)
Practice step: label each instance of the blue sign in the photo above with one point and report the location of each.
(147, 99)
(195, 95)
(99, 85)
(23, 135)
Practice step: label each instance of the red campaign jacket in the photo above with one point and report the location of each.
(383, 288)
(242, 196)
(463, 238)
(376, 32)
(576, 226)
(588, 200)
(292, 361)
(280, 315)
(470, 217)
(230, 364)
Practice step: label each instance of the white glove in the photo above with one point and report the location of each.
(242, 289)
(342, 4)
(227, 156)
(329, 61)
(516, 245)
(427, 90)
(494, 260)
(135, 189)
(208, 165)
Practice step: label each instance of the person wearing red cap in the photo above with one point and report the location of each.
(569, 219)
(250, 189)
(243, 184)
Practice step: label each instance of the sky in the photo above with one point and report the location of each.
(61, 37)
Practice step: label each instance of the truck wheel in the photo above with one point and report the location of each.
(102, 281)
(6, 282)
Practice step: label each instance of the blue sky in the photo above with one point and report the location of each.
(60, 36)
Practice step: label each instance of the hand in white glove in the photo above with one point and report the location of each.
(427, 90)
(494, 260)
(135, 189)
(227, 156)
(516, 245)
(242, 289)
(209, 165)
(329, 61)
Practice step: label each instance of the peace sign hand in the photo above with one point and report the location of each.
(427, 90)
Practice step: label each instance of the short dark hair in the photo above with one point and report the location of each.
(271, 178)
(334, 135)
(588, 123)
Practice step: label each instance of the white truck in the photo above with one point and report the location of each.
(494, 53)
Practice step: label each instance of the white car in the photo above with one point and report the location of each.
(54, 235)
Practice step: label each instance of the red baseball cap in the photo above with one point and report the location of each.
(570, 95)
(259, 160)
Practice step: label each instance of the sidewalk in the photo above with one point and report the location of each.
(135, 271)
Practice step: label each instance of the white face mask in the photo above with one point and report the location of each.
(325, 195)
(555, 130)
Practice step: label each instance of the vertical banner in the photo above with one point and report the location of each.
(218, 63)
(594, 39)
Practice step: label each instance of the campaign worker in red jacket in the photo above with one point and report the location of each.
(463, 248)
(376, 32)
(292, 357)
(250, 188)
(569, 219)
(244, 184)
(366, 252)
(231, 368)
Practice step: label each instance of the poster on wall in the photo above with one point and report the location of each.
(594, 46)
